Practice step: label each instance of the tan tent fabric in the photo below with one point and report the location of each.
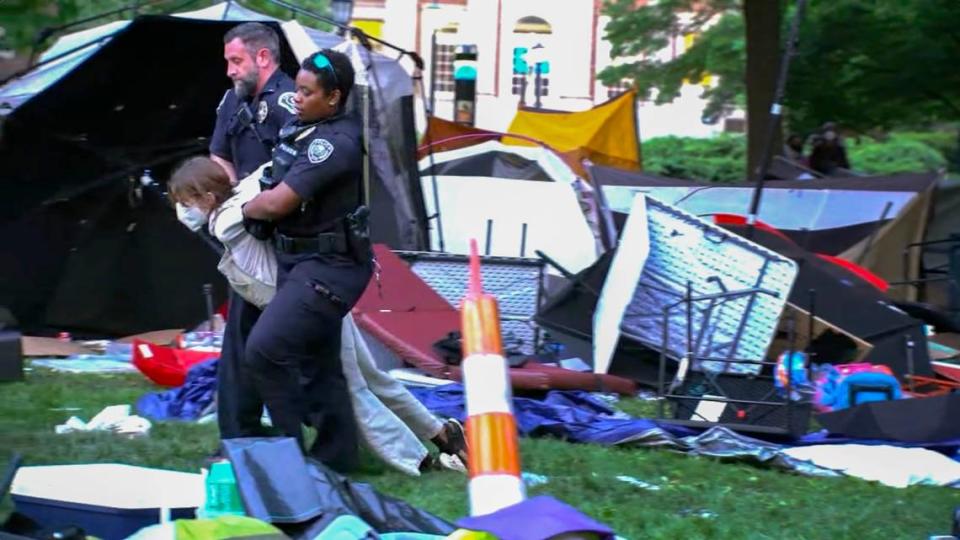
(885, 255)
(606, 134)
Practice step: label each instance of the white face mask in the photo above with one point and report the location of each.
(191, 216)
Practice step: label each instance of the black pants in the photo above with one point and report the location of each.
(239, 406)
(293, 355)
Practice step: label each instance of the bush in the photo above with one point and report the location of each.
(945, 142)
(717, 159)
(724, 158)
(896, 155)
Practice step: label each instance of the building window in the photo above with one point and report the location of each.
(444, 68)
(531, 33)
(531, 85)
(619, 88)
(518, 84)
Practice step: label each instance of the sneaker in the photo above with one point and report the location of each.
(452, 440)
(452, 463)
(441, 462)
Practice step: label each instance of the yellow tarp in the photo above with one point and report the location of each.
(605, 134)
(370, 27)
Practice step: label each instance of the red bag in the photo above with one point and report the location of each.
(166, 366)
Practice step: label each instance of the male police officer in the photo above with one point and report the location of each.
(249, 119)
(250, 116)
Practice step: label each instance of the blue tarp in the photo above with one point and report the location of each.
(582, 417)
(186, 402)
(570, 414)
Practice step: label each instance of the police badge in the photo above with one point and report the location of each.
(319, 150)
(262, 112)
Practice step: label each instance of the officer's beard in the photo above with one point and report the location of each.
(246, 86)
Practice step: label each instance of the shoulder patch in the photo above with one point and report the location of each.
(286, 101)
(319, 150)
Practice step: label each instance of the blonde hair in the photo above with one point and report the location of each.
(196, 177)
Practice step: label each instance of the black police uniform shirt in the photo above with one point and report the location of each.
(327, 173)
(236, 141)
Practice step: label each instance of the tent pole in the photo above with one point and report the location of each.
(347, 28)
(776, 111)
(375, 89)
(366, 144)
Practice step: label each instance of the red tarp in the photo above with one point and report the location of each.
(408, 316)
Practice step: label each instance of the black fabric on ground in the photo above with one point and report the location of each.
(917, 420)
(278, 485)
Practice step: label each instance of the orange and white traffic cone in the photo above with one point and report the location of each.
(494, 454)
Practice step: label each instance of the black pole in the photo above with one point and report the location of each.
(776, 111)
(355, 31)
(910, 364)
(873, 233)
(433, 74)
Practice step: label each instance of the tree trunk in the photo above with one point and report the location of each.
(762, 19)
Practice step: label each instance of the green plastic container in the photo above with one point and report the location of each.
(223, 497)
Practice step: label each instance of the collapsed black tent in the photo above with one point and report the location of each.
(851, 304)
(568, 316)
(88, 248)
(841, 298)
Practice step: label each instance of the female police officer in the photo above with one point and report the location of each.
(311, 208)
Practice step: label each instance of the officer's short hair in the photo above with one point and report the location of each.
(197, 176)
(255, 36)
(343, 78)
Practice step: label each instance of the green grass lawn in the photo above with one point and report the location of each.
(699, 497)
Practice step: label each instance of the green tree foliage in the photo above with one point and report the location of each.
(718, 159)
(895, 155)
(641, 34)
(722, 159)
(867, 64)
(25, 20)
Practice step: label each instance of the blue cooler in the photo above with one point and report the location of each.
(109, 501)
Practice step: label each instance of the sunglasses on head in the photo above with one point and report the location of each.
(322, 62)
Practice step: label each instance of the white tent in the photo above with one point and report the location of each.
(514, 199)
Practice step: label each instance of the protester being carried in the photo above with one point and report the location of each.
(390, 419)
